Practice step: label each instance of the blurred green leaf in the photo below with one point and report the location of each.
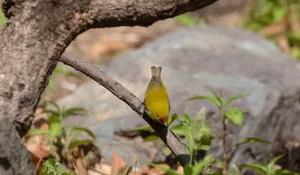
(234, 170)
(190, 143)
(77, 143)
(212, 99)
(165, 168)
(199, 166)
(271, 164)
(235, 115)
(52, 85)
(187, 169)
(61, 70)
(55, 127)
(35, 131)
(143, 128)
(278, 14)
(233, 98)
(172, 119)
(81, 129)
(180, 129)
(186, 119)
(72, 111)
(295, 52)
(257, 167)
(167, 151)
(251, 140)
(151, 138)
(186, 20)
(3, 19)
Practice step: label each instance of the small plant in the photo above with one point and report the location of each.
(235, 115)
(64, 141)
(269, 169)
(54, 167)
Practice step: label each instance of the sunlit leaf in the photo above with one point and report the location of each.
(186, 119)
(235, 115)
(179, 129)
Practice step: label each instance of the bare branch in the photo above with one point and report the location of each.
(168, 137)
(111, 13)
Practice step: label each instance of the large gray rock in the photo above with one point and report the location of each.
(227, 60)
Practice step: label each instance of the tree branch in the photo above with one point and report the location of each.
(111, 13)
(167, 136)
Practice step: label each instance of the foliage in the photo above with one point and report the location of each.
(268, 169)
(53, 167)
(3, 19)
(64, 141)
(59, 70)
(278, 20)
(190, 21)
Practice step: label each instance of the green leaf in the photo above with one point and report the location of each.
(187, 169)
(72, 111)
(151, 138)
(186, 20)
(251, 140)
(212, 99)
(52, 85)
(233, 98)
(199, 166)
(143, 128)
(180, 129)
(186, 119)
(172, 119)
(272, 163)
(34, 131)
(52, 112)
(61, 70)
(3, 19)
(278, 14)
(204, 147)
(282, 172)
(165, 168)
(81, 129)
(58, 110)
(234, 170)
(254, 166)
(166, 151)
(55, 127)
(295, 52)
(77, 143)
(235, 115)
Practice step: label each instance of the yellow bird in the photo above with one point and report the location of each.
(156, 97)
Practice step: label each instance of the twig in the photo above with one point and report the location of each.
(224, 170)
(166, 135)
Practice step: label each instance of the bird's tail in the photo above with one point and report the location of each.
(156, 71)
